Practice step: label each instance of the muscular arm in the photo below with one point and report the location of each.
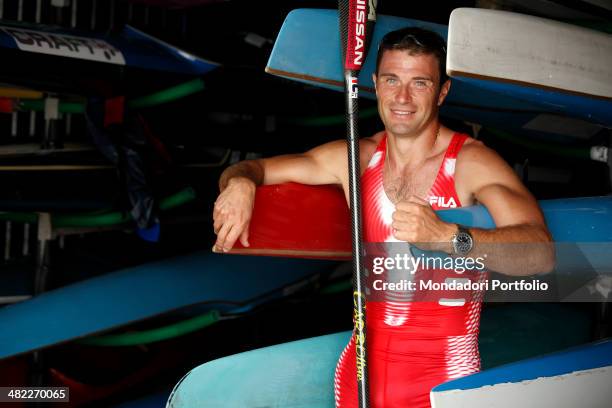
(237, 184)
(521, 243)
(316, 166)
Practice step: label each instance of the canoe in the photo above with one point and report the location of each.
(72, 58)
(307, 49)
(126, 296)
(301, 373)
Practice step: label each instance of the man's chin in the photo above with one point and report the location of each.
(401, 130)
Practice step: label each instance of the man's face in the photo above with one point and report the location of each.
(408, 92)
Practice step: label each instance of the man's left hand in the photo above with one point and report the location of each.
(414, 221)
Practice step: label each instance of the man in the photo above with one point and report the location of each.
(409, 170)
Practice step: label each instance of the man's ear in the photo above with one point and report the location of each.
(374, 80)
(444, 91)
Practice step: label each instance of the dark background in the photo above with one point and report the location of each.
(242, 112)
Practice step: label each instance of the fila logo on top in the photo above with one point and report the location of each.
(442, 202)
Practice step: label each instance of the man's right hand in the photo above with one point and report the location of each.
(232, 213)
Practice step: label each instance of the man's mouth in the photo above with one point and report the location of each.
(402, 112)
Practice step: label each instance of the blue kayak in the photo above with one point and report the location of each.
(307, 49)
(129, 48)
(300, 374)
(130, 295)
(70, 61)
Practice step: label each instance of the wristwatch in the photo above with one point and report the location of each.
(462, 242)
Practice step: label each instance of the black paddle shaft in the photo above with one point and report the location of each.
(356, 23)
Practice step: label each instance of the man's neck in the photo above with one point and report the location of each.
(406, 152)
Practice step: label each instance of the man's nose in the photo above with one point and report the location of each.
(404, 94)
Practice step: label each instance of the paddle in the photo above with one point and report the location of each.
(357, 19)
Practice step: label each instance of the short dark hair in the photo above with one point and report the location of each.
(416, 41)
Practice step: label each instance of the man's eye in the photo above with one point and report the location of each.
(391, 81)
(421, 84)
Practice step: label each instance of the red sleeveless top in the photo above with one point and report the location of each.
(413, 345)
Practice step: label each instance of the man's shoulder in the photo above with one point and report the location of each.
(478, 165)
(371, 143)
(476, 153)
(473, 149)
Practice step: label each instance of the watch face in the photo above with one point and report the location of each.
(463, 243)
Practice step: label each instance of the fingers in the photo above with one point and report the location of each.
(218, 216)
(412, 204)
(403, 235)
(409, 232)
(232, 215)
(414, 220)
(231, 237)
(409, 212)
(228, 233)
(411, 221)
(217, 223)
(229, 227)
(220, 244)
(244, 237)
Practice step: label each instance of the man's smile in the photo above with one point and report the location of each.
(402, 112)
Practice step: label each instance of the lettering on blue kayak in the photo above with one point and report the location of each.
(63, 45)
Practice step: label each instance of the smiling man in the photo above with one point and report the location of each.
(410, 169)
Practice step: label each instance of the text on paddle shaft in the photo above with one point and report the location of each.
(356, 37)
(353, 88)
(359, 322)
